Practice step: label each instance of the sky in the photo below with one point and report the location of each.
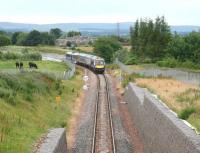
(176, 12)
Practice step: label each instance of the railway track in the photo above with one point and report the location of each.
(103, 138)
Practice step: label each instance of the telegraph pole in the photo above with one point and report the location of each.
(118, 32)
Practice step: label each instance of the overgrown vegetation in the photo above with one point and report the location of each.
(185, 113)
(173, 63)
(28, 107)
(127, 57)
(180, 97)
(25, 49)
(36, 56)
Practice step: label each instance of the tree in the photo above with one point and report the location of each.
(177, 48)
(105, 47)
(149, 39)
(185, 48)
(47, 39)
(56, 32)
(14, 37)
(73, 33)
(34, 38)
(21, 39)
(4, 40)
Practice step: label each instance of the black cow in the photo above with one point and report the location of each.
(21, 65)
(17, 65)
(32, 65)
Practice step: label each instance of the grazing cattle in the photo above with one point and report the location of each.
(21, 65)
(32, 65)
(17, 65)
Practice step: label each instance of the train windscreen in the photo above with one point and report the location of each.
(99, 62)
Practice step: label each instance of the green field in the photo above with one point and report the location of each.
(42, 65)
(28, 107)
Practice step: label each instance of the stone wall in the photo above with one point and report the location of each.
(55, 142)
(159, 128)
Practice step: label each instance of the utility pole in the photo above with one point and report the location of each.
(118, 32)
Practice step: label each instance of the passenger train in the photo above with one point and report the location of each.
(92, 62)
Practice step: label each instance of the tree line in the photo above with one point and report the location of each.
(149, 38)
(34, 37)
(152, 41)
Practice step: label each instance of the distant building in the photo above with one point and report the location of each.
(74, 41)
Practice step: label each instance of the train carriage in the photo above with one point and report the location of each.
(95, 63)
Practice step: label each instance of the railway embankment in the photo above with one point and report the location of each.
(159, 128)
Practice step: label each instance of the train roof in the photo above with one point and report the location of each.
(85, 55)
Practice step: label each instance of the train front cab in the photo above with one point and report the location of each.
(99, 66)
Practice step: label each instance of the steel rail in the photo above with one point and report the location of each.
(96, 115)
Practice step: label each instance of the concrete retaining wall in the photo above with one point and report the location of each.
(55, 142)
(159, 128)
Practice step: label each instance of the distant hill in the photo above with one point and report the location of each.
(86, 28)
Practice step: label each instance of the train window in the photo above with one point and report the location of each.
(99, 62)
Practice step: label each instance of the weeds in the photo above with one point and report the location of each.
(185, 113)
(35, 111)
(36, 56)
(126, 78)
(189, 96)
(26, 85)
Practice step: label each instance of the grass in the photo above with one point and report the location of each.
(85, 48)
(34, 109)
(42, 65)
(42, 49)
(181, 97)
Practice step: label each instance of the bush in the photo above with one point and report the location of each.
(131, 60)
(172, 63)
(168, 62)
(127, 57)
(112, 66)
(185, 113)
(32, 56)
(35, 56)
(10, 56)
(128, 78)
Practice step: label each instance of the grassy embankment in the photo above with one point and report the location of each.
(181, 97)
(28, 107)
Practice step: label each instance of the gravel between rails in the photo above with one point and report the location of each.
(83, 141)
(84, 134)
(122, 139)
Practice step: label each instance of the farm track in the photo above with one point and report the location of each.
(103, 137)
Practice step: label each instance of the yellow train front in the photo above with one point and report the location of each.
(98, 65)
